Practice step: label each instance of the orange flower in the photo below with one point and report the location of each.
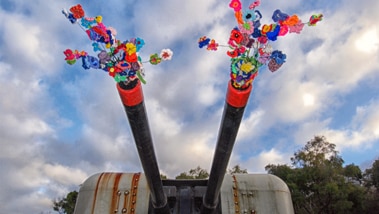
(131, 58)
(292, 20)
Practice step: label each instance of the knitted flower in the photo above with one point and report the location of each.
(279, 16)
(236, 36)
(77, 11)
(166, 54)
(155, 59)
(139, 44)
(203, 41)
(130, 48)
(212, 46)
(236, 5)
(246, 27)
(278, 56)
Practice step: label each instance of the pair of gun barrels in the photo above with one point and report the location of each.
(133, 100)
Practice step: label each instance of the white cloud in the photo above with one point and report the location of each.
(184, 97)
(258, 163)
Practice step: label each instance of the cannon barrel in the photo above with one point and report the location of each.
(236, 101)
(132, 98)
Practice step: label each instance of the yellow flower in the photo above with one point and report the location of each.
(247, 67)
(130, 48)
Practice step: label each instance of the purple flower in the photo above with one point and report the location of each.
(279, 16)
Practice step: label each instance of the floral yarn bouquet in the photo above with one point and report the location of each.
(119, 58)
(249, 42)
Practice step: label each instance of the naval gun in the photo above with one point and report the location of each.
(147, 193)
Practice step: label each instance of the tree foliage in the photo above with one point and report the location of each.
(237, 170)
(67, 204)
(318, 181)
(197, 173)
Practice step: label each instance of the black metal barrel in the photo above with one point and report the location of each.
(233, 112)
(133, 101)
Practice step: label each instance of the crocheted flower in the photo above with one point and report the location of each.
(246, 27)
(232, 54)
(314, 19)
(69, 54)
(236, 5)
(166, 54)
(279, 16)
(249, 15)
(139, 44)
(203, 41)
(131, 58)
(292, 20)
(273, 34)
(77, 11)
(130, 48)
(278, 56)
(256, 3)
(90, 62)
(296, 28)
(155, 59)
(212, 46)
(236, 36)
(247, 67)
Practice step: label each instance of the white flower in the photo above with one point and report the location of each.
(166, 54)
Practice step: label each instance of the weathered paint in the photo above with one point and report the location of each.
(256, 194)
(113, 193)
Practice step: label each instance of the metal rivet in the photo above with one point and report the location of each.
(119, 192)
(124, 210)
(126, 192)
(116, 211)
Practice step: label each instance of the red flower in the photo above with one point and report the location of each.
(263, 39)
(77, 11)
(236, 36)
(69, 54)
(232, 54)
(131, 58)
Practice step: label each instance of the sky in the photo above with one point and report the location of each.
(61, 124)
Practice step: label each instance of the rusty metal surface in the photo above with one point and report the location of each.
(255, 194)
(113, 193)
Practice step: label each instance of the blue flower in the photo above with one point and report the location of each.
(257, 33)
(139, 43)
(249, 15)
(204, 42)
(272, 35)
(278, 56)
(279, 16)
(90, 62)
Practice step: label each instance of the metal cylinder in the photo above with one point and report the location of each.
(133, 101)
(233, 112)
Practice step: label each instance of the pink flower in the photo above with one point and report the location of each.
(297, 27)
(236, 5)
(246, 27)
(256, 3)
(166, 54)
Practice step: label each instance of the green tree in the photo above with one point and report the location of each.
(66, 205)
(197, 173)
(353, 173)
(164, 177)
(317, 181)
(371, 181)
(237, 170)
